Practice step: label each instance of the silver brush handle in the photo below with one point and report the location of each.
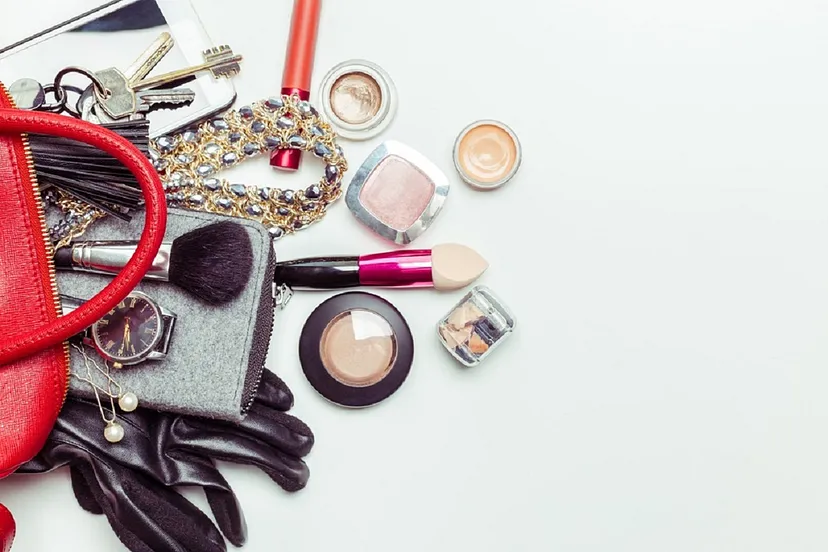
(111, 257)
(68, 303)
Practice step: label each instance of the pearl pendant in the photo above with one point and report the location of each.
(128, 401)
(114, 432)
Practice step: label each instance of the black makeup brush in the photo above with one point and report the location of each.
(89, 174)
(213, 262)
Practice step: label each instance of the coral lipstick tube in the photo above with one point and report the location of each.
(296, 78)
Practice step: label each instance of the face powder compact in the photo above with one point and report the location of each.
(356, 349)
(397, 192)
(487, 154)
(358, 99)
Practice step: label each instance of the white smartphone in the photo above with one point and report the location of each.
(96, 35)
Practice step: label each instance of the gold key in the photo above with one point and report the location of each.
(220, 61)
(151, 57)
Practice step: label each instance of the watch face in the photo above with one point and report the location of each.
(130, 331)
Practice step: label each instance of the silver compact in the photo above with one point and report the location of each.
(358, 98)
(397, 192)
(476, 325)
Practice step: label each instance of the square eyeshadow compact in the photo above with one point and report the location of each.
(397, 192)
(475, 326)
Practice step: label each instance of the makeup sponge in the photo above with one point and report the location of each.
(454, 266)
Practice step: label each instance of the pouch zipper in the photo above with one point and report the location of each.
(40, 213)
(266, 309)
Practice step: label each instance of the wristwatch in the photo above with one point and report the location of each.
(137, 329)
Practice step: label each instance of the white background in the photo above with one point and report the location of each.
(664, 249)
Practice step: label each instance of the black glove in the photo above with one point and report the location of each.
(130, 482)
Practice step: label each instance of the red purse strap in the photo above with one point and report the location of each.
(20, 345)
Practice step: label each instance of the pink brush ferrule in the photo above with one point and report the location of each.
(396, 269)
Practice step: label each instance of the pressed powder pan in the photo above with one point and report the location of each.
(356, 349)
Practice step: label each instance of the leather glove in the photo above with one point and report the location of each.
(130, 482)
(6, 529)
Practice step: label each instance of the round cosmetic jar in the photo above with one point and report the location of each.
(358, 98)
(487, 154)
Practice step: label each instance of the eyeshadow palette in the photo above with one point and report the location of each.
(475, 326)
(397, 192)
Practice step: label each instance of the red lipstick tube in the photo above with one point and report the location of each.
(296, 78)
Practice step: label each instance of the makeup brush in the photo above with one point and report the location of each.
(213, 262)
(444, 267)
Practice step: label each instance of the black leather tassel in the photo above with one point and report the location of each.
(89, 174)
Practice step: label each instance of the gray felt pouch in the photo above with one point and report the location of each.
(217, 354)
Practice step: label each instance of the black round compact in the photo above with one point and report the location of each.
(356, 349)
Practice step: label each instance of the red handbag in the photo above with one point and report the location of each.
(34, 363)
(6, 529)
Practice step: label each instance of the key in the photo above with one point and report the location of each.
(85, 106)
(147, 101)
(121, 101)
(153, 100)
(220, 61)
(149, 59)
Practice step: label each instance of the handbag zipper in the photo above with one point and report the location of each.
(36, 205)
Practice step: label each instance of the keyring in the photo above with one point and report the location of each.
(60, 92)
(58, 105)
(73, 111)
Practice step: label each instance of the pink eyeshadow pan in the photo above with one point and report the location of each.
(396, 193)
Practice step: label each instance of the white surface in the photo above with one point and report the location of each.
(663, 248)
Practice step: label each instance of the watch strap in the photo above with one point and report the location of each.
(164, 343)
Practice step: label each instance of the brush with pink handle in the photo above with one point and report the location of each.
(443, 267)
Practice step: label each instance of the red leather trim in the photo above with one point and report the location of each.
(6, 529)
(20, 345)
(27, 300)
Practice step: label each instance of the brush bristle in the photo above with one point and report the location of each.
(213, 262)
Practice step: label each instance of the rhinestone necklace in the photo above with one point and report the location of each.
(189, 162)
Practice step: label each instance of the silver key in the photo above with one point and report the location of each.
(152, 100)
(121, 100)
(86, 104)
(147, 102)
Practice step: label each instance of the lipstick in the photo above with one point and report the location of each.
(296, 77)
(443, 267)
